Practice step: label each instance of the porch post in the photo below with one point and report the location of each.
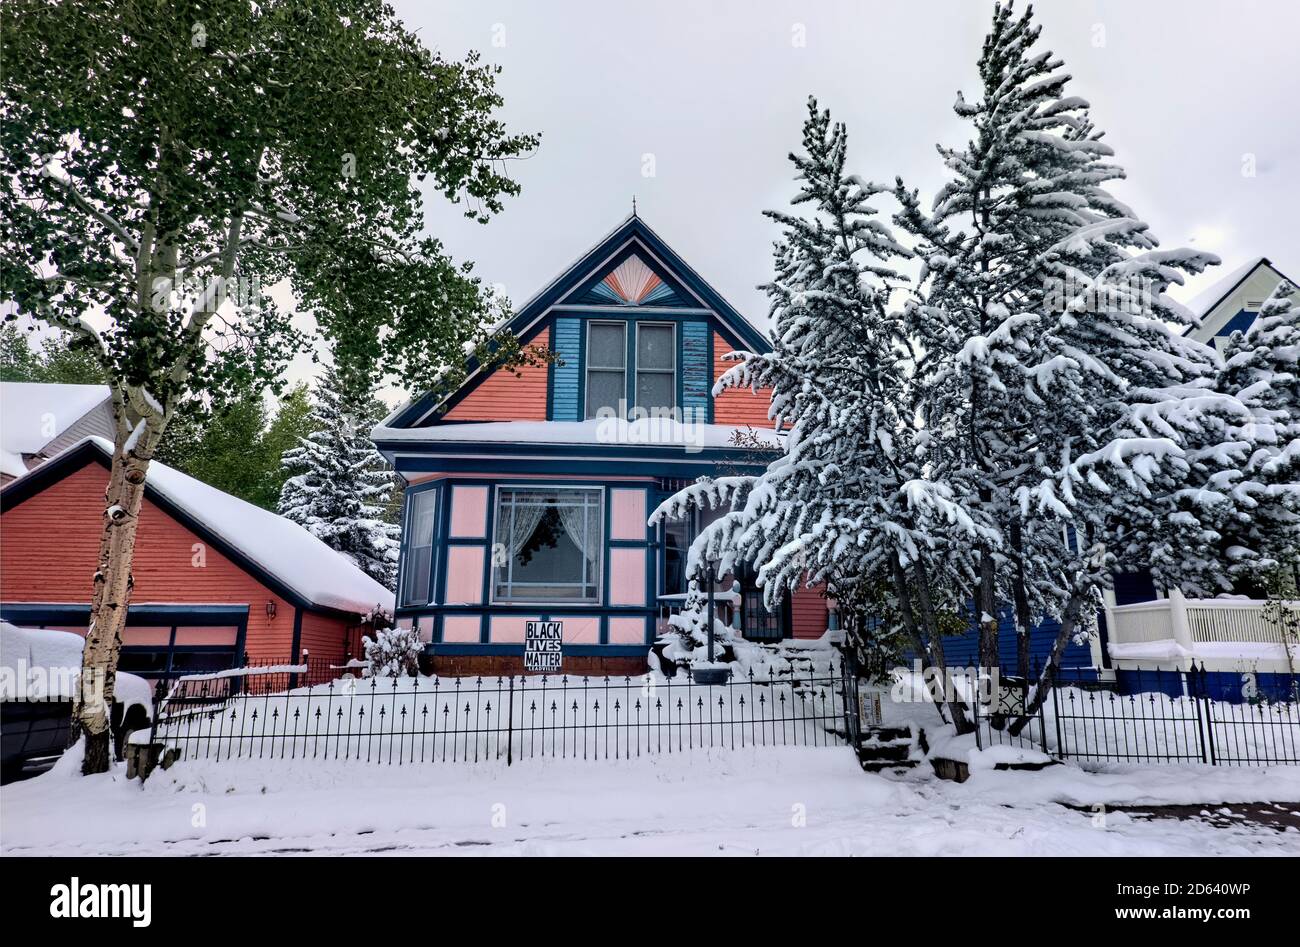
(1178, 623)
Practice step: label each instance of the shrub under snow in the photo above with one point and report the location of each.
(393, 652)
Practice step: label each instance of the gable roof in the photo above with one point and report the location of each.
(1206, 304)
(279, 553)
(26, 409)
(1203, 302)
(589, 270)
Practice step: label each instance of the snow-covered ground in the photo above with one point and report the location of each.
(764, 801)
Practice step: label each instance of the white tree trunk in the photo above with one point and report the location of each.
(111, 595)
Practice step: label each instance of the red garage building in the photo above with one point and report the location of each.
(218, 582)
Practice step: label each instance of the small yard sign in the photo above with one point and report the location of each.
(869, 709)
(543, 645)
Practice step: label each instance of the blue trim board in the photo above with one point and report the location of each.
(41, 613)
(566, 392)
(696, 352)
(517, 650)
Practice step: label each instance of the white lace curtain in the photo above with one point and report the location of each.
(581, 525)
(524, 514)
(578, 513)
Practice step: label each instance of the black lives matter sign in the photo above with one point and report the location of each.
(543, 645)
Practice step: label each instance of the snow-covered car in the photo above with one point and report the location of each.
(38, 679)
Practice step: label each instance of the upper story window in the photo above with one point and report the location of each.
(656, 366)
(606, 367)
(653, 373)
(550, 541)
(417, 565)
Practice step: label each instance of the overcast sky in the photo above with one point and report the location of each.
(1187, 92)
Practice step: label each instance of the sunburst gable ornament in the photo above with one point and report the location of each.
(632, 283)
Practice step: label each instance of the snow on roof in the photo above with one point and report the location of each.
(58, 655)
(34, 413)
(647, 432)
(283, 548)
(1207, 299)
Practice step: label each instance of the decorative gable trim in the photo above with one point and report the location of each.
(630, 283)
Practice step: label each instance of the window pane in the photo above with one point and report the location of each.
(677, 541)
(418, 564)
(421, 526)
(654, 390)
(606, 345)
(654, 347)
(604, 390)
(552, 541)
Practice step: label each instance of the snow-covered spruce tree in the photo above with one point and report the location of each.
(200, 165)
(1022, 229)
(341, 486)
(1262, 370)
(849, 503)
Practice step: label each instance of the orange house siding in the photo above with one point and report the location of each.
(49, 543)
(808, 612)
(508, 394)
(737, 405)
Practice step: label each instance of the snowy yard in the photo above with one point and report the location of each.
(787, 801)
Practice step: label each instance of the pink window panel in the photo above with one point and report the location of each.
(627, 515)
(468, 512)
(627, 577)
(509, 629)
(624, 630)
(147, 635)
(580, 629)
(462, 628)
(207, 635)
(464, 575)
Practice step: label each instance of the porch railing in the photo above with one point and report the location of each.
(1189, 622)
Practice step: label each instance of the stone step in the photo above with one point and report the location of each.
(887, 734)
(883, 752)
(879, 766)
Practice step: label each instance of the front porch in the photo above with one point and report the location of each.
(1223, 635)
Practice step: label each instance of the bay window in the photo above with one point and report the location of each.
(548, 544)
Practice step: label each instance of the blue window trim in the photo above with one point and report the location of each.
(404, 550)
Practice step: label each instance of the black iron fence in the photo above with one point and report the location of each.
(421, 720)
(1150, 716)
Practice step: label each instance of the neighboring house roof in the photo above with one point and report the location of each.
(1232, 301)
(279, 553)
(38, 420)
(630, 285)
